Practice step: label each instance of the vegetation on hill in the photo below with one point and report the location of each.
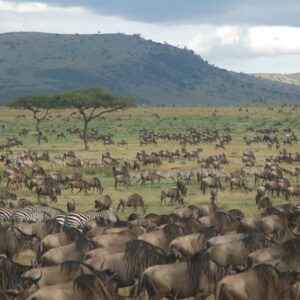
(283, 78)
(150, 72)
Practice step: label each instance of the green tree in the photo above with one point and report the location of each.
(39, 105)
(91, 104)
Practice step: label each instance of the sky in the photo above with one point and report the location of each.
(252, 36)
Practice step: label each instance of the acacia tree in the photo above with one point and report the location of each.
(91, 104)
(39, 105)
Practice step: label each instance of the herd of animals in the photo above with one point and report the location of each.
(195, 251)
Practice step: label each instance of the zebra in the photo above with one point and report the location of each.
(78, 220)
(171, 173)
(51, 211)
(5, 215)
(167, 173)
(29, 214)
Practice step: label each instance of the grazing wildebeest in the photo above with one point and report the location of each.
(134, 200)
(80, 184)
(95, 183)
(46, 190)
(211, 182)
(121, 179)
(174, 194)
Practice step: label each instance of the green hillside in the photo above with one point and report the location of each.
(151, 72)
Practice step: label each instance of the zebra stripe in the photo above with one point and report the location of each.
(78, 220)
(29, 214)
(167, 173)
(52, 212)
(5, 214)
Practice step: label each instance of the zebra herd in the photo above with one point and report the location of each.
(187, 173)
(33, 214)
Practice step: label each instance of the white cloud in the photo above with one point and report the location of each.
(228, 35)
(259, 40)
(34, 7)
(274, 39)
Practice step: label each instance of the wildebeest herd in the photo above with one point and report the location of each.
(197, 250)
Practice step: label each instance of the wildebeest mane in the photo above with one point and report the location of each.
(69, 266)
(291, 247)
(200, 265)
(196, 211)
(236, 214)
(209, 232)
(100, 221)
(271, 211)
(140, 255)
(72, 232)
(173, 230)
(52, 225)
(11, 267)
(133, 216)
(82, 242)
(93, 287)
(120, 223)
(255, 239)
(265, 273)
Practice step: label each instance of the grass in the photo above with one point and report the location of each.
(126, 125)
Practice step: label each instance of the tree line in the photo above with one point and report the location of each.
(90, 104)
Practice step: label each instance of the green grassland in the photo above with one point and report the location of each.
(126, 125)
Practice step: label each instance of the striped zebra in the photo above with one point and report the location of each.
(205, 172)
(5, 214)
(51, 211)
(78, 220)
(29, 214)
(170, 173)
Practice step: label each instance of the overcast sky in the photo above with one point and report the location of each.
(240, 35)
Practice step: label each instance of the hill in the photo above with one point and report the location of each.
(151, 72)
(283, 78)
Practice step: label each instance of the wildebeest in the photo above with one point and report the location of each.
(79, 184)
(103, 203)
(258, 283)
(71, 205)
(236, 251)
(197, 277)
(96, 184)
(121, 179)
(134, 200)
(94, 286)
(210, 182)
(174, 194)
